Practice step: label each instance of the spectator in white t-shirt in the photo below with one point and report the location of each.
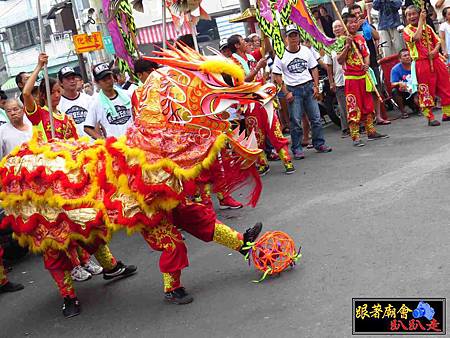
(73, 103)
(111, 108)
(444, 33)
(296, 72)
(336, 78)
(123, 83)
(17, 131)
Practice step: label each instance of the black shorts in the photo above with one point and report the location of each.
(404, 95)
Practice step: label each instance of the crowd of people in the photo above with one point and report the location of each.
(105, 108)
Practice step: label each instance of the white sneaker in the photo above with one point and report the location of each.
(93, 268)
(79, 274)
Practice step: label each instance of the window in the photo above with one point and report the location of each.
(26, 34)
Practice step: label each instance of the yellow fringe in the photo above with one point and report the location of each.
(222, 66)
(179, 172)
(91, 199)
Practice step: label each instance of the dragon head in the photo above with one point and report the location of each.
(201, 92)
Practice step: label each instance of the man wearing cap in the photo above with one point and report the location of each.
(225, 49)
(73, 103)
(296, 72)
(111, 108)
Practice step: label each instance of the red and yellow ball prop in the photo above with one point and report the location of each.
(274, 252)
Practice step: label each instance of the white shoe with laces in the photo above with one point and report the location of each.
(93, 268)
(79, 274)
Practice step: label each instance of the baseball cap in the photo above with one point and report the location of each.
(291, 28)
(101, 70)
(66, 71)
(223, 44)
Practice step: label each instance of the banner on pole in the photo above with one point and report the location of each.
(274, 15)
(87, 43)
(109, 46)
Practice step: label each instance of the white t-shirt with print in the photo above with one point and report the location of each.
(295, 66)
(445, 27)
(338, 72)
(114, 125)
(77, 108)
(10, 137)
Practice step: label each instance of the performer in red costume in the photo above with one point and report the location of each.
(195, 215)
(39, 115)
(358, 97)
(256, 117)
(60, 263)
(430, 69)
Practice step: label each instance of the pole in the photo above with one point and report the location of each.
(164, 24)
(427, 39)
(194, 36)
(47, 82)
(244, 4)
(358, 53)
(75, 31)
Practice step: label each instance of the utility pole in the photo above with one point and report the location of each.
(79, 55)
(65, 13)
(244, 4)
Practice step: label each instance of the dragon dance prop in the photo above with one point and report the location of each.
(62, 191)
(292, 11)
(122, 29)
(273, 253)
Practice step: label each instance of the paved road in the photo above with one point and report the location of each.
(373, 222)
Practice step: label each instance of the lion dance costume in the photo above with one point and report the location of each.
(62, 194)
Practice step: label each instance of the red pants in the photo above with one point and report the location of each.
(359, 101)
(59, 264)
(360, 107)
(198, 219)
(258, 121)
(432, 84)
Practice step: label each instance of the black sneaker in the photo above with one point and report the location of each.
(121, 270)
(263, 170)
(289, 168)
(434, 123)
(11, 287)
(345, 133)
(251, 235)
(178, 296)
(71, 307)
(376, 136)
